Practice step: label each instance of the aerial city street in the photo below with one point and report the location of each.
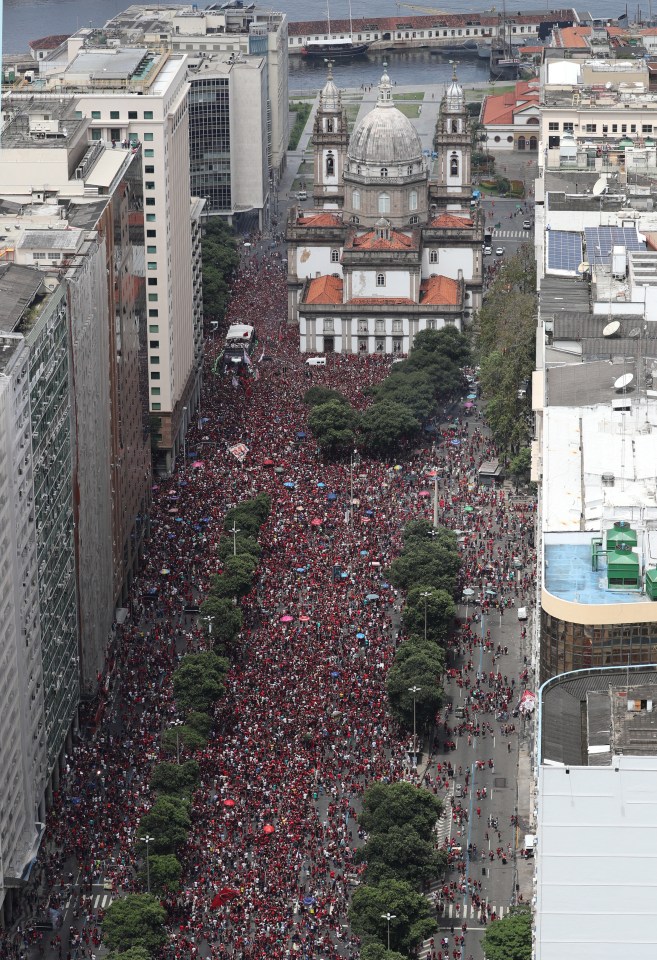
(328, 570)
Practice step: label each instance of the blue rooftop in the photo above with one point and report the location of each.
(568, 575)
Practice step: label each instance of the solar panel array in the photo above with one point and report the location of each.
(564, 250)
(601, 240)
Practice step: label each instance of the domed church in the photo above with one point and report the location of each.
(391, 245)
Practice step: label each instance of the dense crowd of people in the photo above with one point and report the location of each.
(304, 725)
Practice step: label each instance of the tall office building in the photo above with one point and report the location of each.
(135, 95)
(39, 688)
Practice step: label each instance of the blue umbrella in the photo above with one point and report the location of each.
(206, 519)
(360, 636)
(179, 520)
(182, 483)
(335, 673)
(301, 435)
(456, 443)
(372, 596)
(171, 536)
(309, 901)
(332, 496)
(472, 396)
(385, 586)
(205, 419)
(344, 575)
(369, 513)
(289, 485)
(301, 569)
(363, 553)
(321, 485)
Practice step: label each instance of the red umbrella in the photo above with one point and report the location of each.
(268, 829)
(424, 493)
(229, 803)
(223, 896)
(316, 522)
(304, 619)
(267, 462)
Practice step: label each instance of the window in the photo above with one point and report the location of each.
(379, 326)
(379, 345)
(153, 328)
(362, 344)
(605, 128)
(454, 165)
(409, 169)
(590, 127)
(633, 128)
(553, 125)
(412, 200)
(396, 326)
(646, 128)
(78, 114)
(149, 168)
(330, 165)
(355, 199)
(152, 265)
(397, 345)
(150, 201)
(152, 298)
(380, 279)
(148, 114)
(148, 137)
(433, 256)
(384, 171)
(153, 313)
(614, 128)
(156, 406)
(155, 391)
(95, 114)
(95, 134)
(152, 281)
(431, 324)
(335, 256)
(114, 115)
(155, 359)
(132, 114)
(384, 203)
(568, 127)
(154, 344)
(362, 326)
(150, 217)
(328, 325)
(414, 219)
(497, 139)
(149, 185)
(155, 375)
(151, 233)
(623, 128)
(149, 153)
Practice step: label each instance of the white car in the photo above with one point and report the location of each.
(499, 251)
(526, 224)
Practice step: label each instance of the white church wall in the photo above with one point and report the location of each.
(316, 261)
(364, 283)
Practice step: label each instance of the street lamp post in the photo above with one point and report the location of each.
(352, 460)
(414, 690)
(209, 621)
(176, 724)
(148, 840)
(388, 917)
(234, 530)
(425, 596)
(184, 435)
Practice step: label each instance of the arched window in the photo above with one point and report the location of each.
(335, 256)
(521, 143)
(330, 165)
(433, 256)
(355, 199)
(412, 200)
(409, 170)
(380, 279)
(384, 171)
(454, 165)
(455, 126)
(329, 125)
(533, 143)
(384, 203)
(358, 169)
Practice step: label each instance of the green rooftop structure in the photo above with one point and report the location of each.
(623, 569)
(621, 535)
(651, 584)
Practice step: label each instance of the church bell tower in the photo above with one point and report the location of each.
(330, 139)
(451, 188)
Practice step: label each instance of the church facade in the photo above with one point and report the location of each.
(389, 248)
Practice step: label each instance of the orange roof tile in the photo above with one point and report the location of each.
(325, 289)
(441, 291)
(617, 31)
(449, 220)
(370, 241)
(572, 37)
(319, 220)
(501, 109)
(377, 301)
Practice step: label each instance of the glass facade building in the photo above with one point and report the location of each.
(209, 142)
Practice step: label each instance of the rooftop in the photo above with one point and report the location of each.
(325, 289)
(372, 241)
(63, 239)
(441, 291)
(115, 64)
(19, 287)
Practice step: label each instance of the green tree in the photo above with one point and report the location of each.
(412, 915)
(133, 953)
(448, 342)
(243, 543)
(135, 921)
(376, 951)
(236, 578)
(403, 854)
(176, 779)
(386, 424)
(175, 738)
(389, 805)
(416, 664)
(200, 723)
(429, 563)
(168, 823)
(199, 681)
(333, 425)
(511, 937)
(437, 611)
(413, 390)
(164, 872)
(520, 465)
(318, 395)
(227, 621)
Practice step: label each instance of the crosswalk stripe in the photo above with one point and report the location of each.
(102, 901)
(510, 235)
(469, 912)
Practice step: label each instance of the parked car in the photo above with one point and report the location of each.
(499, 251)
(526, 224)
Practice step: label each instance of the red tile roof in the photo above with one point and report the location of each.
(49, 43)
(370, 241)
(378, 301)
(451, 221)
(501, 109)
(325, 289)
(319, 220)
(571, 38)
(441, 291)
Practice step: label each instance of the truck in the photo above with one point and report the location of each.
(239, 345)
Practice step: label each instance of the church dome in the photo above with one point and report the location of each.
(384, 135)
(454, 96)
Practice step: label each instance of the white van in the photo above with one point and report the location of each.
(316, 361)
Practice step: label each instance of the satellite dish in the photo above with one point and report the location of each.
(584, 267)
(611, 329)
(608, 85)
(623, 382)
(599, 186)
(634, 333)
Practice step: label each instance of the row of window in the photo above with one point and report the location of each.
(379, 326)
(383, 203)
(116, 115)
(593, 127)
(414, 34)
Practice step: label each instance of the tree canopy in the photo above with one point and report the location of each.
(412, 921)
(402, 853)
(334, 426)
(176, 779)
(436, 610)
(416, 664)
(136, 920)
(168, 823)
(511, 937)
(133, 953)
(164, 872)
(220, 260)
(388, 805)
(386, 424)
(318, 395)
(199, 681)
